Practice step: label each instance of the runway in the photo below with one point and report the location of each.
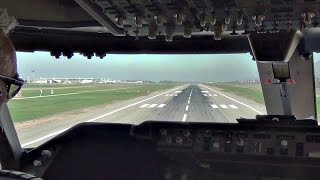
(187, 103)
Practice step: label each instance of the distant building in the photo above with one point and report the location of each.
(86, 81)
(40, 82)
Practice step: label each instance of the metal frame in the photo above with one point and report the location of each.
(97, 14)
(10, 147)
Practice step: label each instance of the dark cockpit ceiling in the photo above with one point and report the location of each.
(157, 26)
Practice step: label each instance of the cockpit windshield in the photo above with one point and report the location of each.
(134, 88)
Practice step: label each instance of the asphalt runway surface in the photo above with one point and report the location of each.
(187, 103)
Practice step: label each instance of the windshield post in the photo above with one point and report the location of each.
(286, 74)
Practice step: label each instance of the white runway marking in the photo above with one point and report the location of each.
(189, 97)
(145, 105)
(233, 99)
(178, 92)
(172, 94)
(210, 94)
(204, 91)
(187, 107)
(99, 117)
(66, 94)
(205, 95)
(184, 118)
(152, 105)
(223, 106)
(233, 106)
(161, 105)
(214, 106)
(215, 95)
(188, 101)
(45, 137)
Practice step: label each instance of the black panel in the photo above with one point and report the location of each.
(119, 151)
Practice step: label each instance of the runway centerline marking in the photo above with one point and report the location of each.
(187, 107)
(189, 97)
(188, 101)
(233, 99)
(184, 118)
(99, 117)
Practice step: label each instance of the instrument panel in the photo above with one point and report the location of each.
(270, 143)
(172, 150)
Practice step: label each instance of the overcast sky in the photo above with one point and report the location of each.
(141, 67)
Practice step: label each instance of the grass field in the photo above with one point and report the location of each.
(28, 109)
(249, 92)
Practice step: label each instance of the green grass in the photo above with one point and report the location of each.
(249, 93)
(28, 109)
